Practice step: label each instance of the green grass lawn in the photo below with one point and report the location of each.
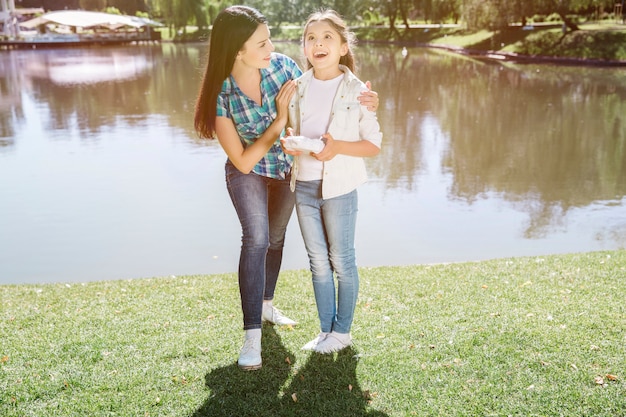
(536, 336)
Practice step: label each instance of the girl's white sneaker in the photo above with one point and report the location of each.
(313, 343)
(334, 342)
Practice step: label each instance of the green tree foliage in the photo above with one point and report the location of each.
(95, 5)
(178, 14)
(476, 14)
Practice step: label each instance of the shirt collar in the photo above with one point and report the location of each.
(348, 76)
(230, 87)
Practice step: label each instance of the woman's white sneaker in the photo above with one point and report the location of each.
(250, 355)
(273, 315)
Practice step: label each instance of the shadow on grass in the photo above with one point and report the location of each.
(325, 386)
(500, 39)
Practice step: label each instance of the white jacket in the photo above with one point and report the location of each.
(349, 121)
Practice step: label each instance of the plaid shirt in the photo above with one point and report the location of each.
(251, 120)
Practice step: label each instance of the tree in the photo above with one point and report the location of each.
(522, 10)
(391, 7)
(129, 7)
(177, 14)
(564, 8)
(479, 14)
(94, 5)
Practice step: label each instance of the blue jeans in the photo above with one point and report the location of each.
(264, 206)
(328, 229)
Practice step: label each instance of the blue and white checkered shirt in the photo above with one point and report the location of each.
(251, 120)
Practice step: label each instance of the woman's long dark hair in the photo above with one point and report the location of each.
(231, 29)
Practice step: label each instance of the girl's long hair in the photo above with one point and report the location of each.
(233, 26)
(336, 21)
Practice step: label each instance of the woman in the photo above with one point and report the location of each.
(243, 101)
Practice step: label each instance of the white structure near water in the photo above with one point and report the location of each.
(8, 18)
(71, 27)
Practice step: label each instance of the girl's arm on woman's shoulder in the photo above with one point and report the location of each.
(369, 98)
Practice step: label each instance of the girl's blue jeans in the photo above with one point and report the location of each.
(328, 229)
(264, 206)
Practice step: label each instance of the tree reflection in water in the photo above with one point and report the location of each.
(480, 160)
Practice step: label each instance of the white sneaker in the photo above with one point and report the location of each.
(313, 343)
(250, 355)
(273, 315)
(334, 342)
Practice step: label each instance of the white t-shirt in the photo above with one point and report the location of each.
(318, 104)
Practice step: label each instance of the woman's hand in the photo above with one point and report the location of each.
(246, 157)
(369, 98)
(283, 98)
(282, 143)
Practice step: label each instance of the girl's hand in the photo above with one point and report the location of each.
(369, 98)
(329, 151)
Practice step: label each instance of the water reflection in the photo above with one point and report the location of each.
(547, 139)
(77, 67)
(480, 160)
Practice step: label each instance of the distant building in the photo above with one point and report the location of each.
(77, 27)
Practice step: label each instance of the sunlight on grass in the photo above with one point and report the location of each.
(521, 336)
(464, 40)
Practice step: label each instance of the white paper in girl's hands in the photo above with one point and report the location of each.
(304, 144)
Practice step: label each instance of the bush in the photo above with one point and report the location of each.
(599, 45)
(538, 44)
(554, 17)
(371, 18)
(112, 10)
(538, 18)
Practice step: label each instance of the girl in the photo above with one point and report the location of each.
(326, 106)
(243, 101)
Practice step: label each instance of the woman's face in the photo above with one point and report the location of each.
(257, 50)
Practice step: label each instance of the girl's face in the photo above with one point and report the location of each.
(323, 46)
(257, 50)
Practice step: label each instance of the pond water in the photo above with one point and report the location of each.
(102, 176)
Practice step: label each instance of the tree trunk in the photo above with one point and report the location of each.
(568, 23)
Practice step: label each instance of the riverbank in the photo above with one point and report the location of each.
(520, 336)
(594, 44)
